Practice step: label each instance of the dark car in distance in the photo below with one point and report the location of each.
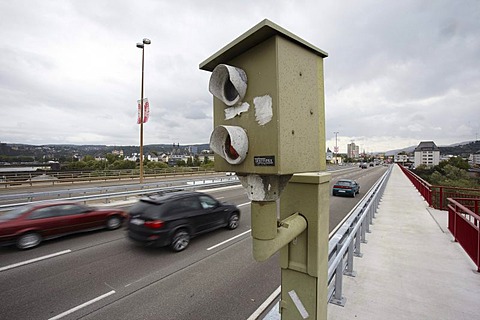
(27, 226)
(346, 187)
(172, 219)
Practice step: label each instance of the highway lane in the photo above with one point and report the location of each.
(340, 206)
(147, 283)
(97, 265)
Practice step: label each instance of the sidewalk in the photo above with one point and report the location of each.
(410, 268)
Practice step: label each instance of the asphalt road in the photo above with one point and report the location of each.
(102, 275)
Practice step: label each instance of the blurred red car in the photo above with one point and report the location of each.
(27, 226)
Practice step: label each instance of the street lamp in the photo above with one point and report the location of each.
(336, 147)
(141, 45)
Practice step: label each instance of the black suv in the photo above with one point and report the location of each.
(172, 219)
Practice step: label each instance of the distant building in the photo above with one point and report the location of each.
(117, 152)
(401, 158)
(329, 154)
(133, 157)
(193, 149)
(474, 158)
(153, 158)
(353, 151)
(174, 158)
(427, 153)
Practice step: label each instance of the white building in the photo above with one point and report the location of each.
(401, 158)
(474, 158)
(133, 157)
(153, 158)
(329, 155)
(427, 153)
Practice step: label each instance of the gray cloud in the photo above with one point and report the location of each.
(397, 72)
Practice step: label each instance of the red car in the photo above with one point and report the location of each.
(27, 226)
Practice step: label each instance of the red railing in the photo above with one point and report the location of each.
(436, 196)
(422, 186)
(464, 224)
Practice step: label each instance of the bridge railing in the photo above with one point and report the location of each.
(464, 224)
(436, 196)
(12, 179)
(107, 194)
(344, 243)
(422, 186)
(440, 194)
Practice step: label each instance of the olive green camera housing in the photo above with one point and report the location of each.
(284, 118)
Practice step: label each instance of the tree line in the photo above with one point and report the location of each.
(117, 162)
(452, 172)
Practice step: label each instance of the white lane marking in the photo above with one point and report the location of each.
(61, 315)
(34, 260)
(243, 204)
(265, 304)
(298, 304)
(228, 240)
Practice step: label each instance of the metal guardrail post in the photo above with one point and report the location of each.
(364, 231)
(350, 253)
(371, 212)
(358, 242)
(369, 217)
(367, 222)
(338, 298)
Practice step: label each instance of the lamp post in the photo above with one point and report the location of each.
(336, 147)
(141, 45)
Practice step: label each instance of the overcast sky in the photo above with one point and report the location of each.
(398, 72)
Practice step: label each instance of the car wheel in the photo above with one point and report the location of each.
(28, 240)
(233, 221)
(113, 223)
(353, 195)
(180, 240)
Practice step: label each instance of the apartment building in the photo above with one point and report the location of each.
(427, 153)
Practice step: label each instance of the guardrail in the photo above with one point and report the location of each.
(107, 196)
(464, 224)
(61, 177)
(345, 242)
(43, 195)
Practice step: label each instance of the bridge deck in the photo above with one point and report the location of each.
(410, 268)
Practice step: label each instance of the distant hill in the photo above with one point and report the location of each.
(25, 152)
(57, 151)
(463, 149)
(397, 151)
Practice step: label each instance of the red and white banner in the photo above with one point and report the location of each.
(146, 111)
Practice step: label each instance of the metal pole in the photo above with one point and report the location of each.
(336, 147)
(141, 120)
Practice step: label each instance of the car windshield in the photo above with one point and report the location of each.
(13, 214)
(344, 183)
